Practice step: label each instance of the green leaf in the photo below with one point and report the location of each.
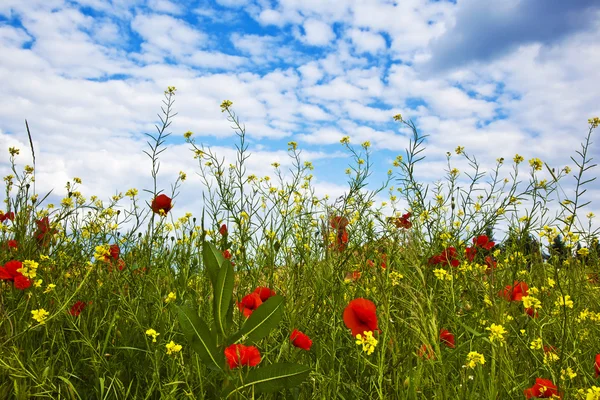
(263, 319)
(223, 296)
(274, 378)
(201, 340)
(213, 259)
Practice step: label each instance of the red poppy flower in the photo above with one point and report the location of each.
(352, 276)
(384, 261)
(264, 293)
(227, 254)
(300, 340)
(223, 230)
(342, 239)
(447, 338)
(44, 233)
(238, 355)
(532, 312)
(12, 244)
(161, 202)
(515, 292)
(77, 308)
(114, 251)
(22, 282)
(338, 222)
(9, 271)
(426, 351)
(491, 264)
(448, 256)
(9, 215)
(120, 264)
(470, 253)
(542, 389)
(403, 221)
(597, 365)
(249, 303)
(360, 316)
(484, 242)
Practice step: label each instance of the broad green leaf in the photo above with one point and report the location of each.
(273, 378)
(223, 296)
(213, 259)
(263, 319)
(201, 340)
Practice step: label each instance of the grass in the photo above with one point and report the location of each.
(119, 300)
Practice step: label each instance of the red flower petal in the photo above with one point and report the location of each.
(264, 293)
(360, 316)
(300, 340)
(447, 338)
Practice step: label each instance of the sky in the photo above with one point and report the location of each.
(498, 78)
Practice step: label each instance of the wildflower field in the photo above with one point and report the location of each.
(272, 292)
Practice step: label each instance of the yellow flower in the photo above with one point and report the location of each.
(459, 150)
(49, 288)
(188, 134)
(29, 269)
(442, 274)
(584, 251)
(564, 302)
(172, 347)
(170, 297)
(293, 145)
(398, 117)
(567, 373)
(153, 333)
(594, 122)
(497, 333)
(395, 277)
(101, 252)
(518, 159)
(367, 341)
(593, 393)
(474, 358)
(225, 105)
(536, 344)
(40, 315)
(366, 144)
(536, 163)
(531, 302)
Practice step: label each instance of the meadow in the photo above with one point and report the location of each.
(272, 292)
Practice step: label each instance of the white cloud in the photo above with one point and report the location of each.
(317, 33)
(165, 35)
(366, 41)
(165, 6)
(271, 17)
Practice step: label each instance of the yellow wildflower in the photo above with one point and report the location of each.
(40, 315)
(153, 333)
(474, 358)
(172, 347)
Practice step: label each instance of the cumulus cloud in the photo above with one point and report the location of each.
(317, 33)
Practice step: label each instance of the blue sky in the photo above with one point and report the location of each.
(498, 78)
